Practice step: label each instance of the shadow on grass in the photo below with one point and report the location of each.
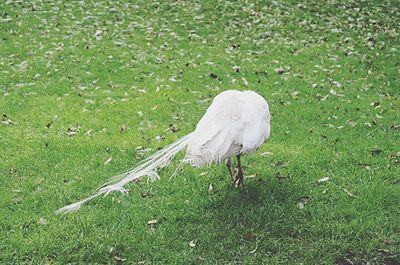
(233, 223)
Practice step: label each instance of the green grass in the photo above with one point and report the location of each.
(330, 72)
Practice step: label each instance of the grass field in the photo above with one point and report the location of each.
(88, 89)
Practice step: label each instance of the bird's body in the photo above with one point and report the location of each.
(236, 123)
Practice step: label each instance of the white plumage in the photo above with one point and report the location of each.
(236, 123)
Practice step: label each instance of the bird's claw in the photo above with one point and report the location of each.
(238, 183)
(238, 180)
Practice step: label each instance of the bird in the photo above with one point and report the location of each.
(236, 123)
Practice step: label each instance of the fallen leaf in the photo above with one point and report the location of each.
(266, 154)
(108, 161)
(322, 180)
(245, 82)
(303, 201)
(337, 84)
(97, 34)
(5, 120)
(349, 193)
(43, 221)
(145, 194)
(23, 66)
(152, 222)
(280, 70)
(159, 138)
(119, 258)
(352, 123)
(376, 151)
(324, 97)
(295, 94)
(254, 250)
(384, 251)
(214, 76)
(173, 128)
(71, 132)
(192, 244)
(344, 261)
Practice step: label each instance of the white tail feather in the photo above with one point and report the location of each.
(148, 168)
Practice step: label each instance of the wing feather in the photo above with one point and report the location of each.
(236, 122)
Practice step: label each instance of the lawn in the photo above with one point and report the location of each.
(90, 88)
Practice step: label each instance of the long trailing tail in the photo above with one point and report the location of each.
(147, 167)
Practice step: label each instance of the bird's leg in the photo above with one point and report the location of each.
(229, 165)
(238, 181)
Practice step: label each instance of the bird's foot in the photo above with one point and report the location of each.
(238, 180)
